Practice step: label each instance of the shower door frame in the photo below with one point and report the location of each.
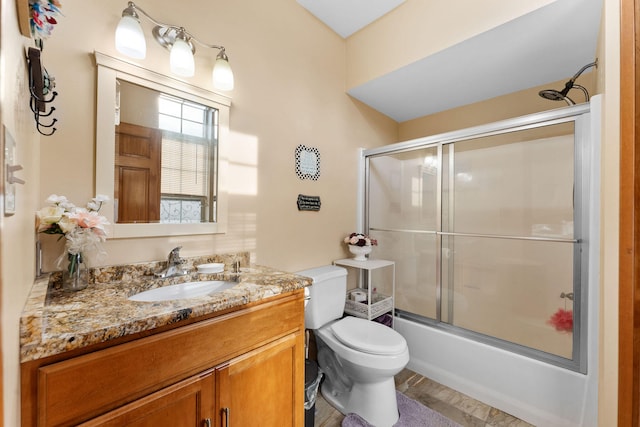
(580, 115)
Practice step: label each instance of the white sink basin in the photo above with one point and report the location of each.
(182, 290)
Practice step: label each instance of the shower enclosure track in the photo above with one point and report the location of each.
(491, 236)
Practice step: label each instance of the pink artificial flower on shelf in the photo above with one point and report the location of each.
(562, 320)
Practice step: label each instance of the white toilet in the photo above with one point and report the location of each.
(358, 357)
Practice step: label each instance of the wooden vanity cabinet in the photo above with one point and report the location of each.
(242, 368)
(255, 389)
(188, 403)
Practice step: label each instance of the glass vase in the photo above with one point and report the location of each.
(75, 274)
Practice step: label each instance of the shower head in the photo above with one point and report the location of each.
(552, 95)
(555, 95)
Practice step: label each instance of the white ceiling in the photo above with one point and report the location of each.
(345, 17)
(549, 44)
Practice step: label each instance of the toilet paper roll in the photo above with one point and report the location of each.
(358, 296)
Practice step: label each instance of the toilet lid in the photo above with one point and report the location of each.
(368, 337)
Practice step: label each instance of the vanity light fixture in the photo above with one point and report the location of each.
(130, 41)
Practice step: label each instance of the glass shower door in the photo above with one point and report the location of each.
(508, 235)
(403, 216)
(486, 235)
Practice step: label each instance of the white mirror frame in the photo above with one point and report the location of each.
(108, 70)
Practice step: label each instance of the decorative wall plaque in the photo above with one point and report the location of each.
(308, 203)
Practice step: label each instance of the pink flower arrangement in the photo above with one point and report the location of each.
(83, 228)
(562, 320)
(359, 239)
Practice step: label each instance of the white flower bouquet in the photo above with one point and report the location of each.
(83, 228)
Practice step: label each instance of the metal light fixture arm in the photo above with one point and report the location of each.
(166, 34)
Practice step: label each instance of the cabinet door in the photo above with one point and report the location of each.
(189, 403)
(264, 387)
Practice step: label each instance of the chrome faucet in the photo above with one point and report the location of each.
(174, 265)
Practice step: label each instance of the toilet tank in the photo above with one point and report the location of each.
(326, 295)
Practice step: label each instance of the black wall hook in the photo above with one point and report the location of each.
(41, 85)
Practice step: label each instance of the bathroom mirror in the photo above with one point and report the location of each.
(160, 152)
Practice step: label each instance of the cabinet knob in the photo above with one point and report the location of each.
(207, 422)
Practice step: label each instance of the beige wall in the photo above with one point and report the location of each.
(417, 29)
(290, 73)
(609, 80)
(515, 104)
(17, 234)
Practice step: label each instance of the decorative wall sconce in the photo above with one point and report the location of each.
(130, 41)
(40, 85)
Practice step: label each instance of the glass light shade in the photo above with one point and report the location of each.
(181, 59)
(222, 75)
(130, 38)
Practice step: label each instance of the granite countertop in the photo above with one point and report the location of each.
(54, 321)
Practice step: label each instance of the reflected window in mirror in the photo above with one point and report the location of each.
(165, 167)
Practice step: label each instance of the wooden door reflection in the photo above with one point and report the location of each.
(137, 173)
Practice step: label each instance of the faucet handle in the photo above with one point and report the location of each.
(174, 255)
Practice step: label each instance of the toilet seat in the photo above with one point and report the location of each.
(368, 337)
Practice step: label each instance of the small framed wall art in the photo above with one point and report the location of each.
(307, 162)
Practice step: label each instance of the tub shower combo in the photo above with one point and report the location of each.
(490, 230)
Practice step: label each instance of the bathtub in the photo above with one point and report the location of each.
(541, 394)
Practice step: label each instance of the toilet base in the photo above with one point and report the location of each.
(374, 402)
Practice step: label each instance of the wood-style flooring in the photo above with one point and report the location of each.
(456, 406)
